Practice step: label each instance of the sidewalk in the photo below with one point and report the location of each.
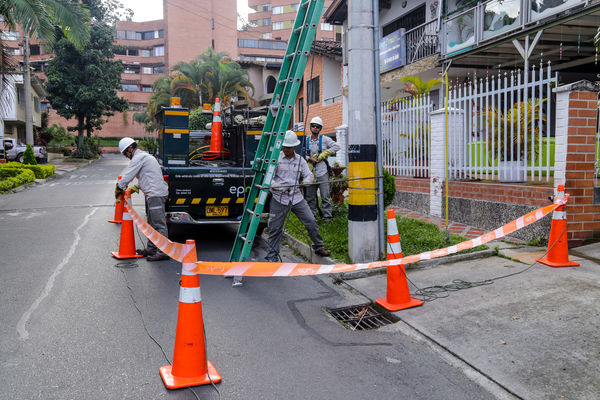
(529, 336)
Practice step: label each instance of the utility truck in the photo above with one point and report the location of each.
(208, 181)
(14, 149)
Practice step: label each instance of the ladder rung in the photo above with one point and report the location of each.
(290, 56)
(305, 4)
(299, 29)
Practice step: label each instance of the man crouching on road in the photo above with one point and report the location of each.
(287, 197)
(146, 169)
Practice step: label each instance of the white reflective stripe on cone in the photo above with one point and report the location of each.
(559, 215)
(126, 216)
(189, 295)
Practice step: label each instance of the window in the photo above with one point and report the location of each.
(301, 109)
(36, 104)
(8, 35)
(145, 53)
(133, 52)
(267, 35)
(407, 21)
(159, 70)
(14, 51)
(45, 106)
(312, 91)
(266, 21)
(131, 35)
(34, 50)
(149, 35)
(147, 70)
(121, 35)
(264, 7)
(159, 33)
(131, 69)
(120, 51)
(21, 95)
(326, 27)
(129, 88)
(277, 25)
(278, 10)
(159, 51)
(147, 89)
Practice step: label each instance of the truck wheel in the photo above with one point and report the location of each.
(20, 158)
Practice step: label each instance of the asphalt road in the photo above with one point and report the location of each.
(70, 328)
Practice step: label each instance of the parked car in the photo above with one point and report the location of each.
(14, 150)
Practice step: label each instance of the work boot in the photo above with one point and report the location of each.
(322, 253)
(158, 257)
(143, 252)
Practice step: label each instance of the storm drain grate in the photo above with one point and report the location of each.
(360, 317)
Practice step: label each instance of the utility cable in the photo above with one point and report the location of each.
(133, 264)
(435, 292)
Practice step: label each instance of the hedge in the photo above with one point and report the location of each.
(39, 171)
(13, 177)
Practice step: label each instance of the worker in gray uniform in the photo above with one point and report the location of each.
(146, 169)
(318, 149)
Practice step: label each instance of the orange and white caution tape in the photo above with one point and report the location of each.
(268, 269)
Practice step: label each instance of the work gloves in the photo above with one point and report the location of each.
(324, 154)
(118, 192)
(134, 189)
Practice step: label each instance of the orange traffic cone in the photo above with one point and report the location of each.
(190, 366)
(397, 295)
(127, 241)
(216, 137)
(558, 249)
(118, 218)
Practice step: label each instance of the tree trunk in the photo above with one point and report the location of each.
(80, 126)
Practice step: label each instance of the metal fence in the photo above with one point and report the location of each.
(405, 128)
(500, 127)
(422, 41)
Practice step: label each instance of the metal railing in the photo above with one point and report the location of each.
(422, 41)
(499, 128)
(405, 128)
(488, 20)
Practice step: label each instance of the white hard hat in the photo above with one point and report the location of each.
(291, 140)
(125, 143)
(317, 120)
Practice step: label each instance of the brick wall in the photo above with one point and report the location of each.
(331, 114)
(579, 125)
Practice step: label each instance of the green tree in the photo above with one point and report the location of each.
(28, 156)
(82, 84)
(108, 11)
(198, 120)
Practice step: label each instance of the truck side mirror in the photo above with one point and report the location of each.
(8, 145)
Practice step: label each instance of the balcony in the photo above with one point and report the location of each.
(495, 19)
(422, 42)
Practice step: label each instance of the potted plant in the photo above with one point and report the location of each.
(338, 183)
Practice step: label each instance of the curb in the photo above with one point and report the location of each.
(306, 252)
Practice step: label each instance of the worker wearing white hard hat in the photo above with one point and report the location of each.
(286, 197)
(150, 180)
(318, 148)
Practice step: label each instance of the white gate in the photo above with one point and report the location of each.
(501, 127)
(406, 128)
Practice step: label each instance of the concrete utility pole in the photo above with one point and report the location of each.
(363, 235)
(27, 91)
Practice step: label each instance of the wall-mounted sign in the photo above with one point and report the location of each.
(392, 51)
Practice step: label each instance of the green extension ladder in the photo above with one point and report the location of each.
(278, 117)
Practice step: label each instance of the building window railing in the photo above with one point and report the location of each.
(422, 41)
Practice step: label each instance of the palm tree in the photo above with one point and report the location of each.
(209, 76)
(416, 86)
(40, 18)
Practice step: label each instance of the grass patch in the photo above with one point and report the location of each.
(417, 236)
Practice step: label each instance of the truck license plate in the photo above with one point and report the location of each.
(217, 211)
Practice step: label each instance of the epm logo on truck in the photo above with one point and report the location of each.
(208, 184)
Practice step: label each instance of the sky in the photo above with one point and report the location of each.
(149, 10)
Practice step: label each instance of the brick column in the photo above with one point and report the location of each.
(575, 154)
